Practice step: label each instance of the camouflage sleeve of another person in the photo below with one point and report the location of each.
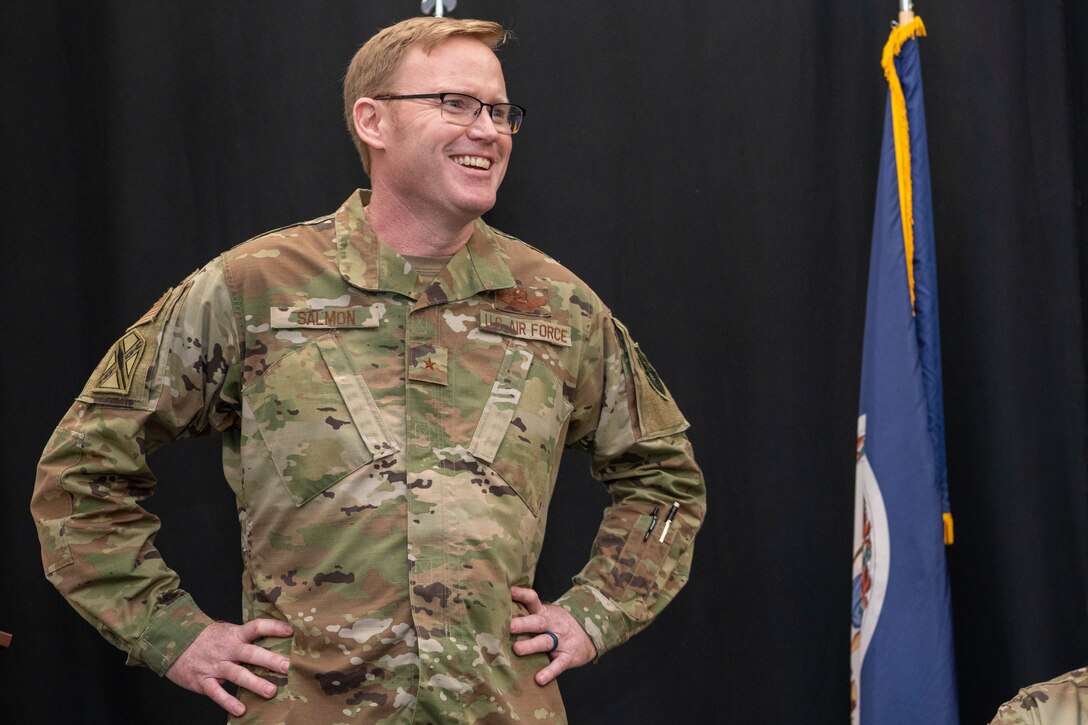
(1060, 701)
(170, 375)
(635, 434)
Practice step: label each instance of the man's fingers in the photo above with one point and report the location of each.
(540, 643)
(215, 692)
(528, 597)
(215, 656)
(574, 647)
(255, 628)
(528, 623)
(244, 678)
(254, 655)
(552, 671)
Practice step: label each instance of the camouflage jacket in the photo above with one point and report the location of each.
(393, 448)
(1061, 701)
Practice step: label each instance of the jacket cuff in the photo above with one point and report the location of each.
(599, 616)
(169, 634)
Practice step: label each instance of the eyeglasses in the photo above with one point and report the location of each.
(462, 110)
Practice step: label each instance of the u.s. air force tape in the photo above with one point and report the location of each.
(527, 328)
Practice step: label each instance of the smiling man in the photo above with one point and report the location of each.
(394, 384)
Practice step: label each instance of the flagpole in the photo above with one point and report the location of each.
(906, 11)
(438, 7)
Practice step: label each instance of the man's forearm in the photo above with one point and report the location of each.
(642, 554)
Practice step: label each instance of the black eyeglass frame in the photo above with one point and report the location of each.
(442, 97)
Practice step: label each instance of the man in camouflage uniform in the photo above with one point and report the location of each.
(394, 384)
(1061, 701)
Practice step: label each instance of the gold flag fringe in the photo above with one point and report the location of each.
(899, 36)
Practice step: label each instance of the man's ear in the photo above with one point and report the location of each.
(367, 116)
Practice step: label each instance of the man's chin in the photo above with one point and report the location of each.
(476, 206)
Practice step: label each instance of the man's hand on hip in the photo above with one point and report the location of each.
(217, 655)
(559, 634)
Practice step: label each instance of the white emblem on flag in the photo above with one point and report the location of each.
(872, 562)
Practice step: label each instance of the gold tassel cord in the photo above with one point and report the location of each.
(908, 29)
(899, 36)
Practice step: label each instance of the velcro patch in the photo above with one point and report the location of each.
(428, 364)
(525, 328)
(524, 300)
(324, 317)
(125, 356)
(123, 377)
(657, 412)
(152, 313)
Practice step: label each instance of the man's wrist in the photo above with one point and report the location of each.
(601, 619)
(169, 634)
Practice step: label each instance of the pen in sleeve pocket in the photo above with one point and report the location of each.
(668, 521)
(653, 524)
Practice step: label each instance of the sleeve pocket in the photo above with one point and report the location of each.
(644, 567)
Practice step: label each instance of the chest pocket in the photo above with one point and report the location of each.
(520, 425)
(317, 418)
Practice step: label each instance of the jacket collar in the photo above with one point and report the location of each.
(370, 264)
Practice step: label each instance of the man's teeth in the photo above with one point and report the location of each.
(475, 161)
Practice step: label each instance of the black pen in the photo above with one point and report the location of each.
(668, 521)
(653, 524)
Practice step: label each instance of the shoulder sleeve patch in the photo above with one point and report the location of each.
(121, 379)
(657, 412)
(121, 364)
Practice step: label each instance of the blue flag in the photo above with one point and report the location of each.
(902, 662)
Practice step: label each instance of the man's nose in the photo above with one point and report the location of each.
(484, 128)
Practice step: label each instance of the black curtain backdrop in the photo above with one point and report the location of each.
(710, 169)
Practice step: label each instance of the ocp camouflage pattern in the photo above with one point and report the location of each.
(1060, 701)
(393, 463)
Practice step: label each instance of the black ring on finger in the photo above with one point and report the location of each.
(555, 641)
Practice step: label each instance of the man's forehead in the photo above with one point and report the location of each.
(456, 60)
